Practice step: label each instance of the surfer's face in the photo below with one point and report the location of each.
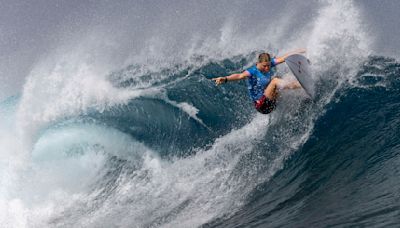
(264, 66)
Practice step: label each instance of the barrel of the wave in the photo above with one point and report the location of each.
(300, 67)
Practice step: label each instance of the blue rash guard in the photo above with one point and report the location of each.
(258, 81)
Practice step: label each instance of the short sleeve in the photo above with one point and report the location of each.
(273, 62)
(251, 71)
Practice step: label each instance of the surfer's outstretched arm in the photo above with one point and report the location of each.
(232, 77)
(281, 59)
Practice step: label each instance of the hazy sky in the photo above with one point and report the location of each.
(30, 29)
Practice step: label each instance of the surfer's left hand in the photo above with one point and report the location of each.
(301, 50)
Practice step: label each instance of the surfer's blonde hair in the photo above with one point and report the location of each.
(264, 57)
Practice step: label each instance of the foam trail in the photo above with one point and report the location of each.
(187, 108)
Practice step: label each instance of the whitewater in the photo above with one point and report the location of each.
(111, 119)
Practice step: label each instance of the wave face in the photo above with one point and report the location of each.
(103, 139)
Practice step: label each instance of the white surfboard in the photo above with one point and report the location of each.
(300, 67)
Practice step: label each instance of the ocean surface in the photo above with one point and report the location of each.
(128, 130)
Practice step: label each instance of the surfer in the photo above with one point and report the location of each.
(263, 86)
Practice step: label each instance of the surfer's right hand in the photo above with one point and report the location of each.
(219, 80)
